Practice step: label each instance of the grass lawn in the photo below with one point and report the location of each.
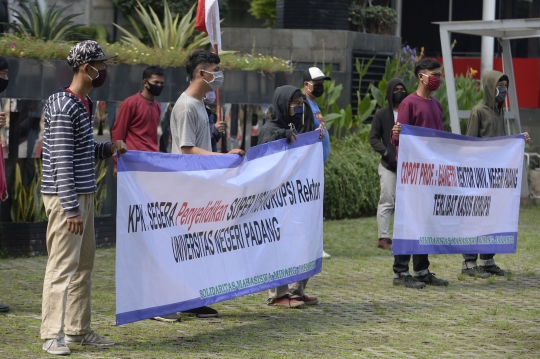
(360, 313)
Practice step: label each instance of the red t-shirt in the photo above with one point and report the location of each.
(417, 111)
(137, 123)
(84, 100)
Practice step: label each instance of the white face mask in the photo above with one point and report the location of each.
(217, 82)
(209, 98)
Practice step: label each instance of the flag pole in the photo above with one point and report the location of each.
(218, 92)
(218, 109)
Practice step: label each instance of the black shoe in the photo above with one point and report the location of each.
(476, 272)
(202, 312)
(494, 269)
(4, 308)
(432, 280)
(408, 281)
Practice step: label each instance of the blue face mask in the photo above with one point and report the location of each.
(298, 116)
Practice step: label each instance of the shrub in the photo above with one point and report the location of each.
(46, 25)
(264, 10)
(373, 19)
(351, 187)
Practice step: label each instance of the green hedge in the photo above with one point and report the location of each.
(351, 182)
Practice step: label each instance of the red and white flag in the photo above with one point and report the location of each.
(208, 21)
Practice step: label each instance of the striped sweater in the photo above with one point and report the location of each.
(69, 150)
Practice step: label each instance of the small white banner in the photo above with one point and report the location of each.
(195, 230)
(457, 194)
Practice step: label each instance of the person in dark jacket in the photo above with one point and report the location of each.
(286, 123)
(292, 115)
(381, 131)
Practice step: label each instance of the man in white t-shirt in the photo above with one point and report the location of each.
(190, 127)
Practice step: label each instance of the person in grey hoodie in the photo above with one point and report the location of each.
(381, 131)
(487, 120)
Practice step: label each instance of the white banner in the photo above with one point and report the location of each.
(195, 230)
(457, 194)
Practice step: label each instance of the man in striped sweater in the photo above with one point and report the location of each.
(68, 187)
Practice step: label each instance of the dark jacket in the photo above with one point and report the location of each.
(487, 118)
(277, 127)
(381, 129)
(215, 135)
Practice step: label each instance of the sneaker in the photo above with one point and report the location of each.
(384, 243)
(169, 318)
(91, 338)
(432, 280)
(4, 308)
(202, 312)
(408, 281)
(308, 300)
(495, 269)
(287, 301)
(475, 272)
(56, 346)
(326, 255)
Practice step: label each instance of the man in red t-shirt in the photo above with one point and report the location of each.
(423, 110)
(138, 118)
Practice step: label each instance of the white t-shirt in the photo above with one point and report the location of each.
(395, 116)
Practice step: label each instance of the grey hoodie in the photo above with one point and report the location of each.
(487, 119)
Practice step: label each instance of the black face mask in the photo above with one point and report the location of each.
(318, 90)
(155, 90)
(3, 85)
(399, 96)
(501, 94)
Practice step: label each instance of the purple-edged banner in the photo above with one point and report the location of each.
(457, 194)
(196, 230)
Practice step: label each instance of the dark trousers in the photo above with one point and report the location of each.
(474, 257)
(401, 263)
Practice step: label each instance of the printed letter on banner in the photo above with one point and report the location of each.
(194, 230)
(457, 194)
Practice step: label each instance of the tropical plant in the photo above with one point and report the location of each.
(27, 200)
(96, 32)
(374, 19)
(401, 66)
(343, 121)
(177, 33)
(264, 10)
(47, 25)
(176, 6)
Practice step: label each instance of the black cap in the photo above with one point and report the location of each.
(86, 51)
(314, 73)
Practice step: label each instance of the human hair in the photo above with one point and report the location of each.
(297, 96)
(200, 57)
(426, 64)
(76, 68)
(151, 71)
